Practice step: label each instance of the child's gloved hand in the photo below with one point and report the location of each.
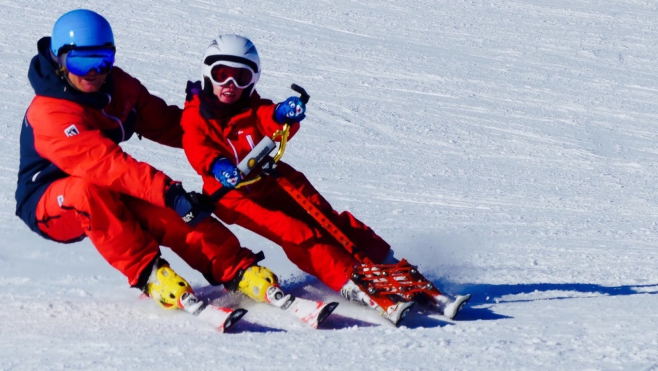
(289, 111)
(227, 174)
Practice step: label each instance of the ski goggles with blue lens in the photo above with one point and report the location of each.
(80, 61)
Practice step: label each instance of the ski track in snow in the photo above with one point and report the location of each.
(506, 147)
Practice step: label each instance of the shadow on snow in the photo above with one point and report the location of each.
(477, 309)
(488, 293)
(483, 294)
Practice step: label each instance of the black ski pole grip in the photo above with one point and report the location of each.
(303, 94)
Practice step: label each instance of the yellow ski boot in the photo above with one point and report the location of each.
(256, 281)
(166, 287)
(261, 285)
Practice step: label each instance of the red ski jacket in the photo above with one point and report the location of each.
(212, 131)
(69, 133)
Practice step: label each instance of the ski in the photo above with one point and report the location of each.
(392, 289)
(448, 307)
(218, 317)
(311, 312)
(395, 312)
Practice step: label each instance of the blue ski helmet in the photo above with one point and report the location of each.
(80, 28)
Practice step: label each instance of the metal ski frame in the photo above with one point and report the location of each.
(386, 284)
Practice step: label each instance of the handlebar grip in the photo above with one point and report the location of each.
(256, 155)
(303, 94)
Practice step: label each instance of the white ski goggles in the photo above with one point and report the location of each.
(222, 72)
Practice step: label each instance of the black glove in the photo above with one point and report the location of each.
(193, 207)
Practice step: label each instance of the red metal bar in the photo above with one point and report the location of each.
(380, 280)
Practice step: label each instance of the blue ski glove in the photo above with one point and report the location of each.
(289, 111)
(227, 174)
(193, 207)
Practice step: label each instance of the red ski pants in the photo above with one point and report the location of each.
(128, 231)
(268, 210)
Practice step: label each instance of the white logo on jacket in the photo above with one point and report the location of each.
(71, 131)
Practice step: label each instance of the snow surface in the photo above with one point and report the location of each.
(507, 147)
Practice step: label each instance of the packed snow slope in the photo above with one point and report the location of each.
(506, 147)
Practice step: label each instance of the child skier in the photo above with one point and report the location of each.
(223, 119)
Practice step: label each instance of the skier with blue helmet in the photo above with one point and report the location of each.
(75, 181)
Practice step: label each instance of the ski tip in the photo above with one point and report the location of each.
(457, 306)
(233, 318)
(326, 311)
(467, 297)
(403, 314)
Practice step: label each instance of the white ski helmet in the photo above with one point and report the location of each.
(234, 51)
